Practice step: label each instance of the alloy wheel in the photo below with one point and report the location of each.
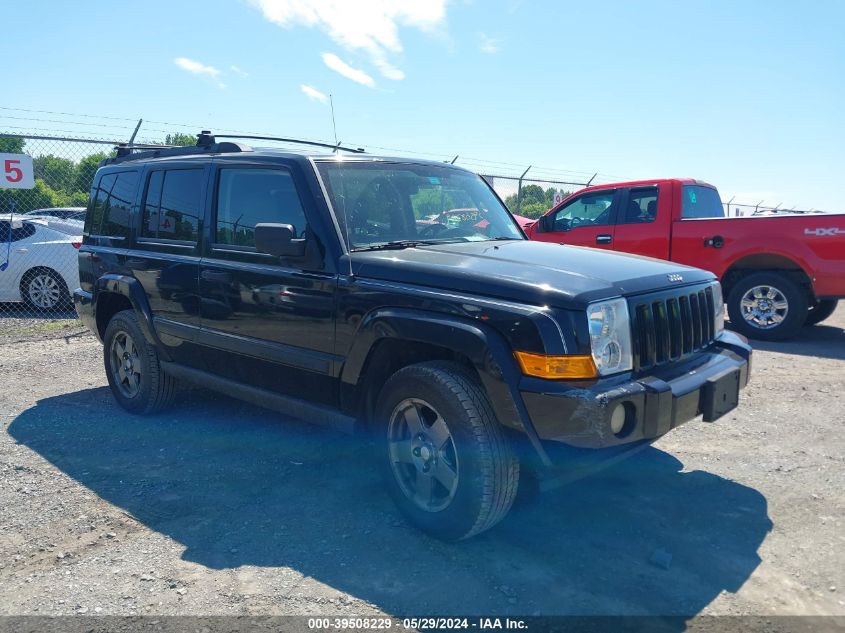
(125, 365)
(764, 307)
(44, 291)
(422, 455)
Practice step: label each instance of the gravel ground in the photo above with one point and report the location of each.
(218, 507)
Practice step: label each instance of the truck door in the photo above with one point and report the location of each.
(265, 321)
(587, 220)
(643, 222)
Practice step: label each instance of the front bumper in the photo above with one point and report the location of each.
(579, 415)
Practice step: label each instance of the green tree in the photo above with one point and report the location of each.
(11, 145)
(533, 209)
(57, 173)
(180, 139)
(85, 172)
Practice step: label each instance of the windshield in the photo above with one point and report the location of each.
(386, 203)
(701, 202)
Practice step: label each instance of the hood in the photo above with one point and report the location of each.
(539, 273)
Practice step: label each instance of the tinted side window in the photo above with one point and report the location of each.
(111, 204)
(98, 203)
(116, 214)
(27, 229)
(246, 197)
(592, 209)
(172, 205)
(641, 207)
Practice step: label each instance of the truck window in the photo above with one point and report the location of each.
(641, 207)
(111, 205)
(592, 209)
(172, 205)
(247, 197)
(701, 202)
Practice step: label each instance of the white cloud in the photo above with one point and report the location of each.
(489, 45)
(370, 26)
(312, 93)
(341, 67)
(198, 68)
(238, 71)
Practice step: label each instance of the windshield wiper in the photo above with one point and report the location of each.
(393, 245)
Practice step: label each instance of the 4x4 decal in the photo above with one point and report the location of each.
(824, 232)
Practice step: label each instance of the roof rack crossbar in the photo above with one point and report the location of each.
(332, 146)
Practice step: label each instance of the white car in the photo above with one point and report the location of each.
(38, 264)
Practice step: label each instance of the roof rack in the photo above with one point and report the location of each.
(206, 144)
(336, 147)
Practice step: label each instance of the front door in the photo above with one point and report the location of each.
(584, 221)
(265, 321)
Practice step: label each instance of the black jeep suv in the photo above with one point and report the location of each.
(396, 296)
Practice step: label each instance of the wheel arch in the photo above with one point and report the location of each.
(766, 262)
(392, 338)
(114, 293)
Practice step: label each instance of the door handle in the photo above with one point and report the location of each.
(213, 275)
(21, 250)
(134, 262)
(604, 239)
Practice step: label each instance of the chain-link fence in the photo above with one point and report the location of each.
(41, 225)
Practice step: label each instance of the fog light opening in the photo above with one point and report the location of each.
(623, 419)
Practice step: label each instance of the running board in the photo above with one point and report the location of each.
(294, 407)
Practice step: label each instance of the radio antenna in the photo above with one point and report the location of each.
(334, 125)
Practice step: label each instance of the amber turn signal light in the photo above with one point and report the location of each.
(543, 366)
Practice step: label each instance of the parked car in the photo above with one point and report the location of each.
(454, 344)
(38, 264)
(62, 213)
(779, 273)
(67, 225)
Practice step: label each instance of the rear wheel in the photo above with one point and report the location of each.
(767, 306)
(820, 311)
(446, 460)
(43, 289)
(135, 376)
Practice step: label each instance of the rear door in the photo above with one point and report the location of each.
(266, 321)
(587, 220)
(643, 222)
(166, 254)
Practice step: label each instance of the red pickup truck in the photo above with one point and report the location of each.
(778, 273)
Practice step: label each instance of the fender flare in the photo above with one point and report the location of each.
(132, 289)
(487, 350)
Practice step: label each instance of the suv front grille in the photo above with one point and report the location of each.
(671, 325)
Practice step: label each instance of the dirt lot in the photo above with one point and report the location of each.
(218, 507)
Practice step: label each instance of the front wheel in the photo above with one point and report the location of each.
(820, 311)
(767, 306)
(446, 460)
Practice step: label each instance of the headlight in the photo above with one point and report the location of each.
(718, 308)
(610, 336)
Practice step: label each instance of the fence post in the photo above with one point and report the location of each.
(519, 191)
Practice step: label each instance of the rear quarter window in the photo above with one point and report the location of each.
(110, 206)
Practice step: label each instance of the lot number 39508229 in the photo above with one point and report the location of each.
(16, 171)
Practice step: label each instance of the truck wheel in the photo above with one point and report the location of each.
(820, 310)
(446, 460)
(767, 306)
(132, 367)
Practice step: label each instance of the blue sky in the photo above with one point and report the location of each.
(747, 95)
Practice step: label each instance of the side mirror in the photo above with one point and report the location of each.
(279, 240)
(547, 223)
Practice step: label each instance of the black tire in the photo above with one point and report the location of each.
(487, 472)
(44, 290)
(820, 311)
(775, 289)
(151, 389)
